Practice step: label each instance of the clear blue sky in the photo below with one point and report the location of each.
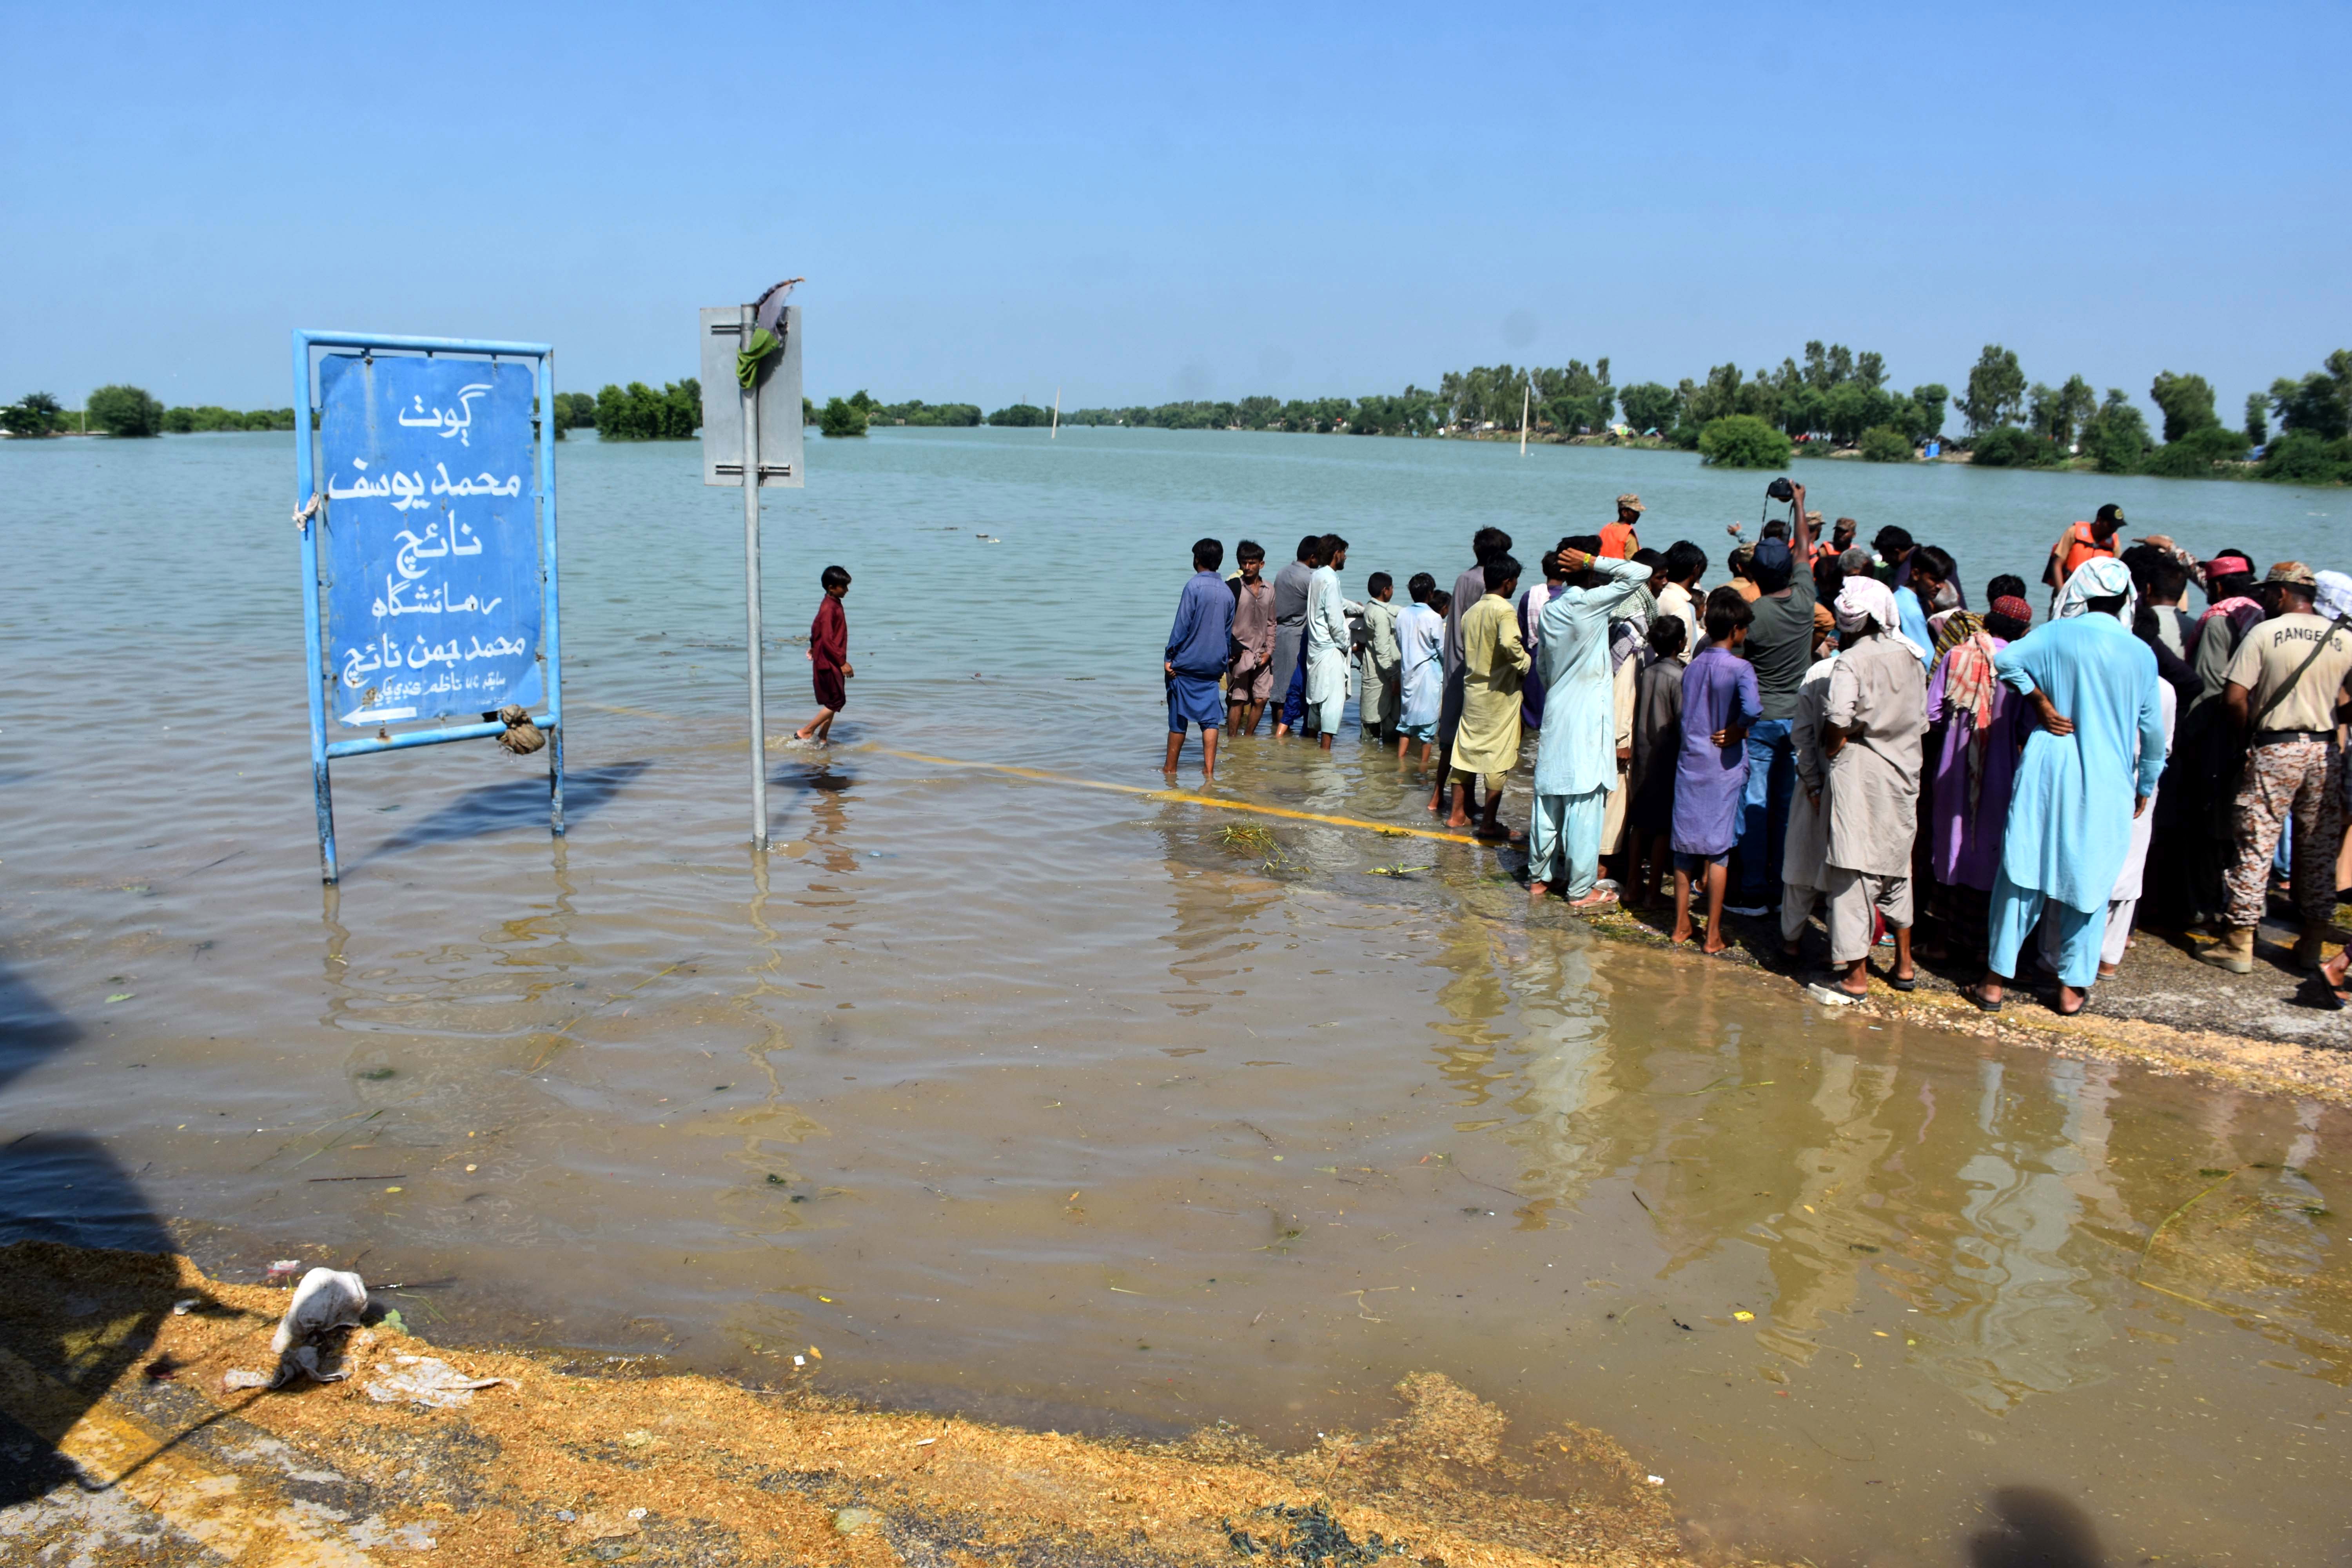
(1191, 201)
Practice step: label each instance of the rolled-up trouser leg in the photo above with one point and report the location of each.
(1853, 895)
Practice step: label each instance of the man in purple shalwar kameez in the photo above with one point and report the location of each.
(1719, 703)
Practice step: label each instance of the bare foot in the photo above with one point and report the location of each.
(1539, 890)
(1457, 822)
(1714, 945)
(1599, 899)
(1680, 933)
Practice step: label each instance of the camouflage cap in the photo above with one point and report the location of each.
(2292, 572)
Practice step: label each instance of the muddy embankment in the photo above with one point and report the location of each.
(126, 1442)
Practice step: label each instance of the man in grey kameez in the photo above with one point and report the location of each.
(1290, 620)
(1876, 715)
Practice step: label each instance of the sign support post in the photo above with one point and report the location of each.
(751, 438)
(751, 601)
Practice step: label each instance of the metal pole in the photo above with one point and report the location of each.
(305, 485)
(552, 636)
(751, 600)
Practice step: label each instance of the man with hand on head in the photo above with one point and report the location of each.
(1576, 757)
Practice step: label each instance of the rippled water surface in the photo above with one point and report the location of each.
(1052, 1104)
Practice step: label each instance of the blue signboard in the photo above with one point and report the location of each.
(425, 504)
(431, 565)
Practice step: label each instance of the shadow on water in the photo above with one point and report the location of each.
(2035, 1529)
(514, 803)
(799, 776)
(30, 1029)
(60, 1192)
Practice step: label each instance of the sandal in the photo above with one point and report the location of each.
(2318, 993)
(1975, 993)
(1903, 983)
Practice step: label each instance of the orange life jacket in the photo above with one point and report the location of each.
(1616, 539)
(2081, 547)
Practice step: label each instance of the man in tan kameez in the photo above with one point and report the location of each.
(1494, 664)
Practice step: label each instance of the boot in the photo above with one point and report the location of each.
(2311, 950)
(2234, 952)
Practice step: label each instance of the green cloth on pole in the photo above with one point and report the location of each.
(747, 360)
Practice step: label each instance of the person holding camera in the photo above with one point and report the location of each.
(1780, 646)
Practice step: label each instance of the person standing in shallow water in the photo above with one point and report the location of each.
(1250, 682)
(1196, 656)
(1719, 703)
(828, 654)
(1290, 626)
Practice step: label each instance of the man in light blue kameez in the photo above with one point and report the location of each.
(1328, 641)
(2086, 775)
(1576, 759)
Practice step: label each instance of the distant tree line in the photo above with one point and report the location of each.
(132, 412)
(2014, 424)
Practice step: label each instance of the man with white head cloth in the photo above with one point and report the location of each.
(2086, 773)
(1871, 725)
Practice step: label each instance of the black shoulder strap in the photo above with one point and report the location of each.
(2254, 725)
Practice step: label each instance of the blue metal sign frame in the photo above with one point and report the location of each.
(313, 506)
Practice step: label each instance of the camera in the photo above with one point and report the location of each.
(1780, 489)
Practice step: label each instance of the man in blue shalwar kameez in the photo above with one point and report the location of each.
(1576, 759)
(2086, 775)
(1197, 647)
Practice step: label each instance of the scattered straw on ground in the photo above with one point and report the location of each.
(99, 1367)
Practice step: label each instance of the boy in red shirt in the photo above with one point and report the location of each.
(828, 652)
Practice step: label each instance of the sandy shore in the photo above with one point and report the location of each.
(127, 1445)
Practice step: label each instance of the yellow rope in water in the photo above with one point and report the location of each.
(1181, 796)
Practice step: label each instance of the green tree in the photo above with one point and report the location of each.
(1743, 441)
(1929, 401)
(2321, 402)
(2258, 428)
(1851, 408)
(2116, 437)
(2008, 447)
(1649, 406)
(2197, 454)
(638, 412)
(1996, 390)
(1021, 414)
(2306, 458)
(34, 414)
(841, 417)
(1713, 398)
(126, 410)
(1870, 369)
(2186, 402)
(1885, 444)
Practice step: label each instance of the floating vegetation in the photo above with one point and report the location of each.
(1252, 839)
(1399, 870)
(1315, 1540)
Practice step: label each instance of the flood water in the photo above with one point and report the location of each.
(1052, 1104)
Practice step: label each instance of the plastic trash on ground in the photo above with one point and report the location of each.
(428, 1381)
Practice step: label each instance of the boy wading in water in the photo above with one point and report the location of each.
(828, 653)
(1194, 659)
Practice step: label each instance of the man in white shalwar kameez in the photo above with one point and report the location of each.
(1576, 759)
(1326, 642)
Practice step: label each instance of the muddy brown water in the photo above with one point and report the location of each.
(1066, 1106)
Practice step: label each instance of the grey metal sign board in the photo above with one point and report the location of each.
(779, 396)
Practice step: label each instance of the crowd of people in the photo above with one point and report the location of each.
(1837, 729)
